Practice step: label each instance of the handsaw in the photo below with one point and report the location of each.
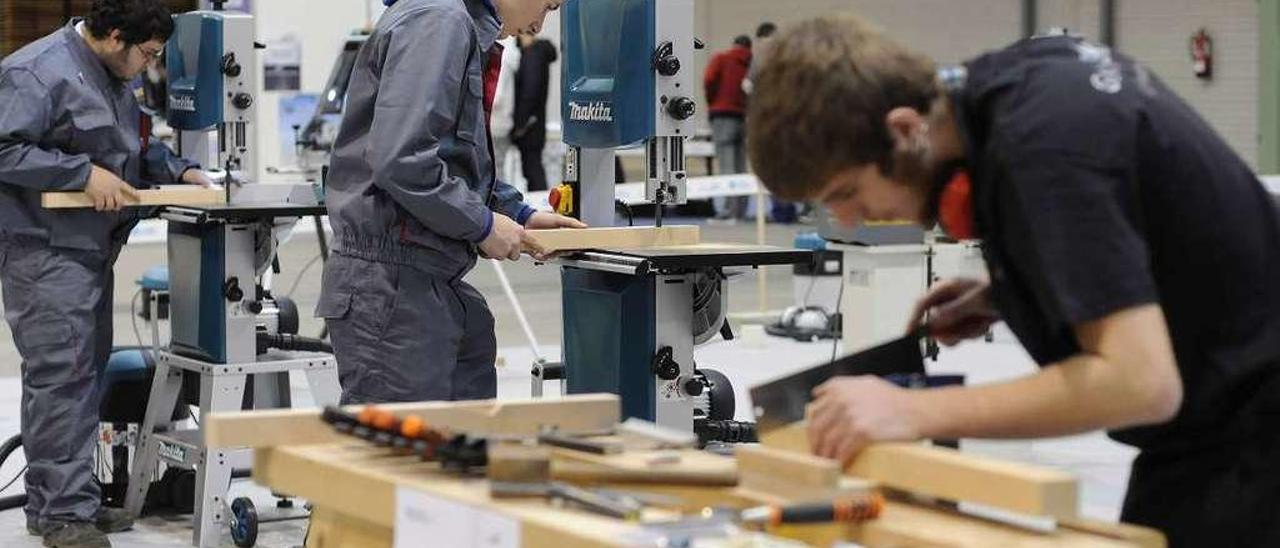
(782, 401)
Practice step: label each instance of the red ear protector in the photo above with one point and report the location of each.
(955, 207)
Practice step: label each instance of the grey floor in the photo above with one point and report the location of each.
(1101, 464)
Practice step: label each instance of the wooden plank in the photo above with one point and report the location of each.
(175, 195)
(627, 237)
(787, 474)
(360, 481)
(266, 428)
(328, 529)
(678, 467)
(355, 484)
(1134, 534)
(904, 524)
(951, 475)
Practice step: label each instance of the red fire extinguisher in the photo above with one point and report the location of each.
(1202, 54)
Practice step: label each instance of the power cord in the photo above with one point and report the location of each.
(133, 317)
(15, 479)
(839, 301)
(298, 279)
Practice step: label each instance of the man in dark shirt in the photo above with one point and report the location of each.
(529, 129)
(1129, 249)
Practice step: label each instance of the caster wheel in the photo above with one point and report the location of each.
(244, 523)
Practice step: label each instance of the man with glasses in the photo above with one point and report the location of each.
(69, 120)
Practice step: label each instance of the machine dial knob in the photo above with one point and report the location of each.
(669, 66)
(242, 101)
(665, 366)
(665, 60)
(230, 67)
(254, 307)
(231, 290)
(681, 108)
(693, 386)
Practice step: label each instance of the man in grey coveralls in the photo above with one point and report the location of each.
(69, 120)
(412, 197)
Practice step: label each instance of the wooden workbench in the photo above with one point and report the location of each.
(355, 486)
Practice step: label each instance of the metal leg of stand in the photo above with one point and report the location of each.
(218, 392)
(165, 388)
(323, 382)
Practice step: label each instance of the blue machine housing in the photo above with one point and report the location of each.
(210, 342)
(608, 82)
(609, 337)
(194, 62)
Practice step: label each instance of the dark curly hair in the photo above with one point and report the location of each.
(137, 20)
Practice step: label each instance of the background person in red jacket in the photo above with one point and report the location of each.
(728, 107)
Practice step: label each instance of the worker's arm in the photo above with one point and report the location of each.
(419, 97)
(1125, 375)
(160, 165)
(25, 118)
(510, 202)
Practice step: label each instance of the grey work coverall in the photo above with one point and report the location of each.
(411, 193)
(60, 112)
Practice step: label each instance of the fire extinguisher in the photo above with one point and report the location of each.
(1202, 55)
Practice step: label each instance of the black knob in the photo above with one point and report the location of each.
(681, 108)
(230, 67)
(694, 387)
(669, 66)
(665, 366)
(242, 101)
(255, 307)
(665, 60)
(232, 290)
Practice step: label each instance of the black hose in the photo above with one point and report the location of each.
(292, 342)
(6, 449)
(13, 501)
(726, 431)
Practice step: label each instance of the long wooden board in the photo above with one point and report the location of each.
(952, 475)
(683, 467)
(354, 485)
(627, 237)
(177, 195)
(266, 428)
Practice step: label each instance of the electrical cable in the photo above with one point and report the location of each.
(839, 300)
(133, 317)
(6, 450)
(813, 280)
(15, 479)
(298, 280)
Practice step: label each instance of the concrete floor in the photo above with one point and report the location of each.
(1101, 465)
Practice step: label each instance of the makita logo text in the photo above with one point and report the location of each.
(183, 103)
(591, 112)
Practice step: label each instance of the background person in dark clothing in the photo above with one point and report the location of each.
(533, 80)
(727, 103)
(1132, 252)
